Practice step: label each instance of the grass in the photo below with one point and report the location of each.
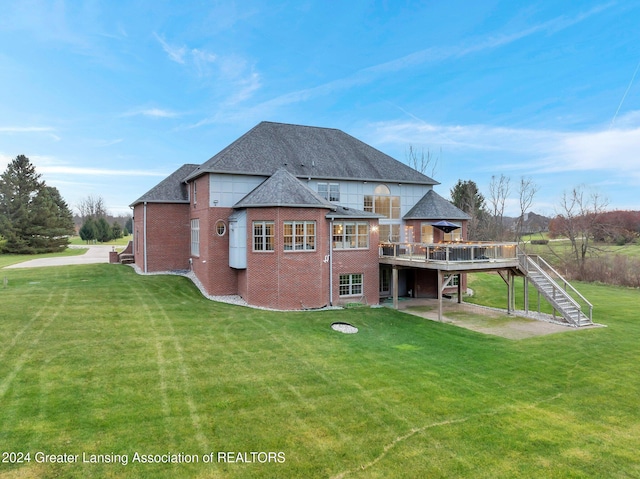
(96, 359)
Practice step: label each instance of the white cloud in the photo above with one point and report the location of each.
(152, 112)
(176, 54)
(106, 143)
(231, 72)
(11, 130)
(81, 171)
(202, 61)
(617, 149)
(526, 150)
(25, 129)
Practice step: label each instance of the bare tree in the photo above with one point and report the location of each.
(579, 222)
(92, 207)
(499, 190)
(526, 192)
(424, 163)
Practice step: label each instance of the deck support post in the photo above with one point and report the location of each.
(508, 292)
(394, 285)
(440, 281)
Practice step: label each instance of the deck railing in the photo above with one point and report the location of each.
(456, 252)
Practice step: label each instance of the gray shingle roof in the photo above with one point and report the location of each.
(343, 212)
(432, 206)
(170, 190)
(308, 152)
(283, 189)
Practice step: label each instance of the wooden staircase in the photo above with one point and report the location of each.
(563, 297)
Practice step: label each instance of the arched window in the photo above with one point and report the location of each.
(382, 190)
(383, 203)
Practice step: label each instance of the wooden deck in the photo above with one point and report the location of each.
(447, 258)
(458, 257)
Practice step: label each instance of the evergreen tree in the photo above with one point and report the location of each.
(104, 233)
(33, 217)
(19, 185)
(116, 230)
(466, 196)
(50, 221)
(89, 230)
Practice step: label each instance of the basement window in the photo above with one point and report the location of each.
(351, 284)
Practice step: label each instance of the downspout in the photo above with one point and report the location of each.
(331, 263)
(144, 236)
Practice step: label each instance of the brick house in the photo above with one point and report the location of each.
(293, 217)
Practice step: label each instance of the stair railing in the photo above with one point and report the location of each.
(555, 278)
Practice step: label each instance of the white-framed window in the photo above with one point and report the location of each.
(382, 203)
(195, 237)
(455, 281)
(329, 191)
(426, 233)
(351, 284)
(299, 235)
(350, 235)
(195, 193)
(263, 234)
(455, 235)
(389, 233)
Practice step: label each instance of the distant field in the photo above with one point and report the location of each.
(97, 360)
(559, 248)
(76, 240)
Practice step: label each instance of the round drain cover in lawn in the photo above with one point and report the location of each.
(344, 328)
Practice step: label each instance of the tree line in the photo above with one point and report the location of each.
(486, 215)
(33, 216)
(581, 218)
(97, 224)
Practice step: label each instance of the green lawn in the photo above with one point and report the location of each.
(97, 360)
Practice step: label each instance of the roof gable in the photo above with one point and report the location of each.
(283, 189)
(172, 189)
(308, 152)
(432, 206)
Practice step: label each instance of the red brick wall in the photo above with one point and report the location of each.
(300, 279)
(356, 262)
(211, 266)
(167, 236)
(426, 283)
(286, 279)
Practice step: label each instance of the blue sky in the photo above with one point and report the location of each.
(107, 98)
